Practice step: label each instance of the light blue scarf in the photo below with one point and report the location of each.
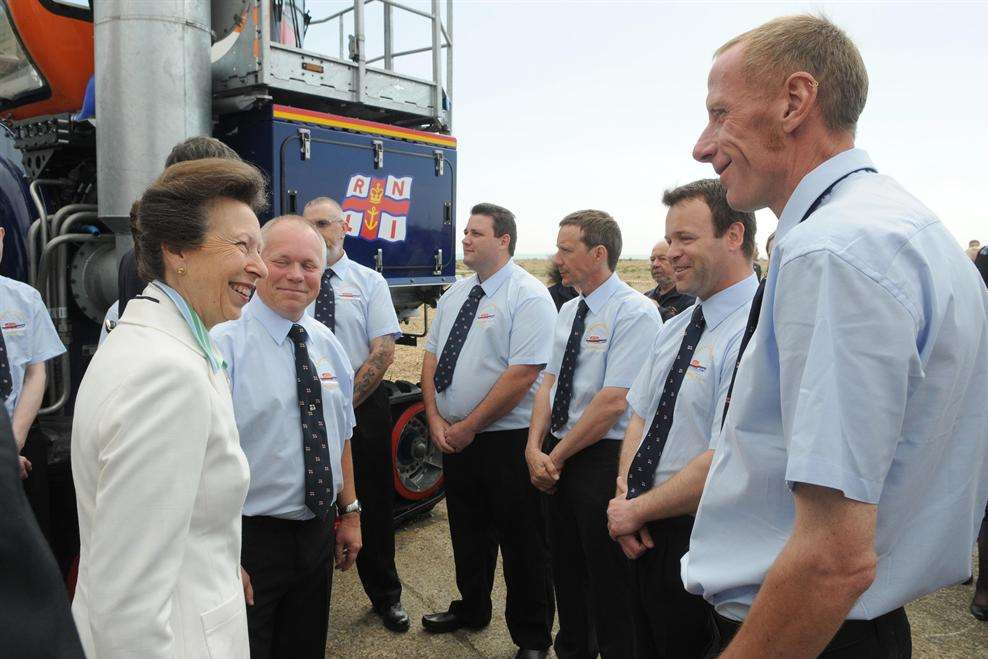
(195, 324)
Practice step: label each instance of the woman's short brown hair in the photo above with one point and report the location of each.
(174, 211)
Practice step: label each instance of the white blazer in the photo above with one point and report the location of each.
(160, 481)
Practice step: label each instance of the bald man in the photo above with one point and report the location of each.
(670, 301)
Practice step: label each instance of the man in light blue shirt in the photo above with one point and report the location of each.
(849, 479)
(282, 363)
(485, 352)
(355, 303)
(677, 404)
(579, 416)
(27, 340)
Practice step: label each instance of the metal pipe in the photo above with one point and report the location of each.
(61, 213)
(423, 14)
(63, 398)
(358, 30)
(147, 51)
(342, 40)
(388, 35)
(326, 19)
(449, 60)
(61, 307)
(60, 240)
(437, 72)
(32, 251)
(40, 205)
(413, 51)
(75, 218)
(66, 364)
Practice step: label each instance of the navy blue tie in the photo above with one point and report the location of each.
(6, 384)
(326, 302)
(319, 491)
(564, 385)
(457, 337)
(641, 475)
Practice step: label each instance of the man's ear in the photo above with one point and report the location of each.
(801, 96)
(735, 235)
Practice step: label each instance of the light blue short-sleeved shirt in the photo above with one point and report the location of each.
(28, 333)
(620, 328)
(261, 364)
(363, 308)
(866, 375)
(511, 327)
(700, 401)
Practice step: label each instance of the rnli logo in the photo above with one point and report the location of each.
(597, 336)
(700, 368)
(377, 208)
(349, 295)
(485, 316)
(326, 376)
(10, 326)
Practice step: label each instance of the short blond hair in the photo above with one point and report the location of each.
(789, 44)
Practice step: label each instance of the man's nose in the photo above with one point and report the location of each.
(704, 149)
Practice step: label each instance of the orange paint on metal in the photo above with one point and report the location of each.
(362, 126)
(62, 49)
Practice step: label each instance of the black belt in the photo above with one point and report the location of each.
(849, 633)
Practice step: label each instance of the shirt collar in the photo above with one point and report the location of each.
(814, 183)
(596, 300)
(492, 283)
(722, 304)
(277, 325)
(195, 325)
(340, 267)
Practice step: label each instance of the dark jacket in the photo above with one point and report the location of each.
(34, 609)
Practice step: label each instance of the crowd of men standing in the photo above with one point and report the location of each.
(720, 467)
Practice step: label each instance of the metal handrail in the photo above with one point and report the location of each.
(442, 38)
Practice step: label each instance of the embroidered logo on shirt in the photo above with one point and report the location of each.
(349, 295)
(596, 336)
(698, 366)
(326, 376)
(13, 326)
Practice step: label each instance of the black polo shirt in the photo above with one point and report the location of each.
(672, 302)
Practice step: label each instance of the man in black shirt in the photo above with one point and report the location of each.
(670, 301)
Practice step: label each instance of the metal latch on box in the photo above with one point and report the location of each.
(378, 154)
(440, 162)
(305, 136)
(438, 267)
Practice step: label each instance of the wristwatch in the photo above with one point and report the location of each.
(353, 507)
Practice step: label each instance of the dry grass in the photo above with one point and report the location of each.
(408, 359)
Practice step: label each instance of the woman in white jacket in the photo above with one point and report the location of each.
(159, 474)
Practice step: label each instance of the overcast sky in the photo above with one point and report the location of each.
(560, 106)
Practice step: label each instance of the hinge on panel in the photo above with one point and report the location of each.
(305, 135)
(378, 154)
(438, 268)
(379, 260)
(440, 162)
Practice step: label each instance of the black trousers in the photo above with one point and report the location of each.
(374, 478)
(36, 486)
(668, 621)
(590, 572)
(492, 504)
(886, 637)
(290, 564)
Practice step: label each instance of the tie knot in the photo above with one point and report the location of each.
(697, 318)
(327, 274)
(477, 292)
(297, 333)
(582, 309)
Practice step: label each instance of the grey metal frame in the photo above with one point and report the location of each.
(348, 77)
